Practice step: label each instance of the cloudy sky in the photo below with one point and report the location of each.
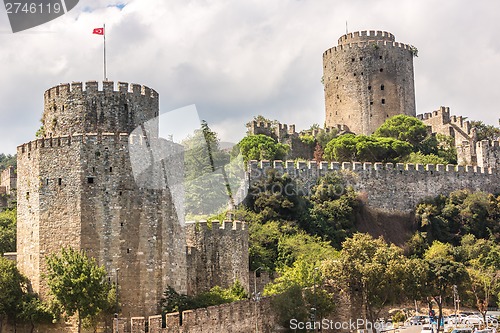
(240, 58)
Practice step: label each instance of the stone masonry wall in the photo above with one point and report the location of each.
(367, 79)
(242, 317)
(78, 108)
(80, 191)
(397, 187)
(217, 255)
(488, 154)
(9, 179)
(101, 181)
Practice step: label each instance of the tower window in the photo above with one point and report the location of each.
(383, 100)
(90, 180)
(371, 102)
(354, 74)
(110, 169)
(381, 70)
(382, 87)
(360, 58)
(380, 57)
(337, 78)
(352, 59)
(59, 181)
(369, 87)
(128, 250)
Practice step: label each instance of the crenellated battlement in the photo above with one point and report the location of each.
(203, 225)
(312, 167)
(362, 45)
(68, 140)
(75, 88)
(443, 113)
(488, 153)
(388, 186)
(366, 35)
(86, 108)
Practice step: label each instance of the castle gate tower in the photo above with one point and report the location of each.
(77, 188)
(368, 78)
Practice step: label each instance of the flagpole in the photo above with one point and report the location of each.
(104, 33)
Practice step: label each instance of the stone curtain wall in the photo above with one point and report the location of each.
(79, 191)
(241, 317)
(367, 79)
(217, 255)
(397, 187)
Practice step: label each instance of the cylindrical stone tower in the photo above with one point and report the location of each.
(77, 188)
(368, 78)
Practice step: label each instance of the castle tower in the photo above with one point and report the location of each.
(367, 79)
(77, 188)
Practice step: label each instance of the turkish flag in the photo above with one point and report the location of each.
(98, 31)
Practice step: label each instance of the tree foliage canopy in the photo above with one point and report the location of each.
(78, 284)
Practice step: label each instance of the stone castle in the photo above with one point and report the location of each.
(368, 78)
(76, 187)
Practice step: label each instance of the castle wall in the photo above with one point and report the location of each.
(367, 78)
(457, 127)
(217, 255)
(242, 316)
(82, 194)
(488, 154)
(8, 179)
(105, 192)
(79, 108)
(397, 187)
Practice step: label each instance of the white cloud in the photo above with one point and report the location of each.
(237, 59)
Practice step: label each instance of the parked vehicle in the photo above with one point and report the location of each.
(428, 329)
(416, 320)
(473, 320)
(462, 330)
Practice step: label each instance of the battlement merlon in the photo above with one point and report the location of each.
(68, 140)
(92, 86)
(366, 35)
(204, 225)
(363, 44)
(258, 168)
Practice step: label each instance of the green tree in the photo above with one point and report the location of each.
(260, 147)
(7, 161)
(78, 284)
(442, 275)
(304, 281)
(207, 176)
(275, 197)
(419, 158)
(369, 269)
(364, 148)
(172, 301)
(333, 209)
(404, 128)
(263, 245)
(8, 230)
(485, 132)
(12, 286)
(33, 311)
